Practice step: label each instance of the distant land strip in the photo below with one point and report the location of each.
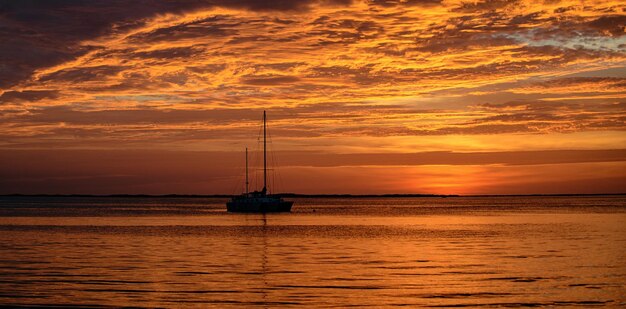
(288, 195)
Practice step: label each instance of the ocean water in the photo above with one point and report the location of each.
(329, 252)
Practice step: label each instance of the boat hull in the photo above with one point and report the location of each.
(259, 206)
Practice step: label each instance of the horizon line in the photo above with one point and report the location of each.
(308, 195)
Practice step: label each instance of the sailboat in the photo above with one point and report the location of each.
(258, 201)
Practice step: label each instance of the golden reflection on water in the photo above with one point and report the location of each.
(316, 259)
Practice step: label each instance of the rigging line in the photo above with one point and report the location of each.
(269, 150)
(242, 177)
(273, 163)
(277, 176)
(257, 159)
(274, 171)
(257, 163)
(239, 181)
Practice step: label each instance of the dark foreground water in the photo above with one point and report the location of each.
(418, 252)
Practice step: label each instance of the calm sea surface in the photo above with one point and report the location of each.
(329, 252)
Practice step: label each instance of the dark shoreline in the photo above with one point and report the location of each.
(295, 195)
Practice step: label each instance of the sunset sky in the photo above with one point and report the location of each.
(378, 96)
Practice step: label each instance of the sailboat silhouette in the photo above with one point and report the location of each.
(258, 201)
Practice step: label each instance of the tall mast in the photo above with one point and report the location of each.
(264, 155)
(247, 171)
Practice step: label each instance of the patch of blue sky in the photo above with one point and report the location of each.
(606, 43)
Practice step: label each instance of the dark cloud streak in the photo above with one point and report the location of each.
(42, 33)
(27, 95)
